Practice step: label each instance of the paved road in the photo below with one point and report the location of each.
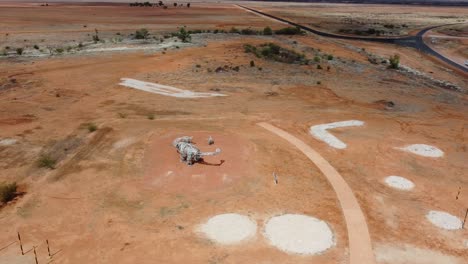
(409, 41)
(359, 241)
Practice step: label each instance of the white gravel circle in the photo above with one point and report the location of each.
(299, 234)
(444, 220)
(229, 229)
(399, 182)
(424, 150)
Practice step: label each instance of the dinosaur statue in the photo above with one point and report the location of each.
(188, 152)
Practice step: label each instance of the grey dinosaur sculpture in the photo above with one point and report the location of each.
(188, 152)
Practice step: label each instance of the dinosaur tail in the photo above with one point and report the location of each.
(216, 152)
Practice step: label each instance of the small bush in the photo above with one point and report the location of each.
(80, 45)
(122, 115)
(150, 116)
(36, 47)
(141, 33)
(289, 31)
(267, 31)
(394, 61)
(319, 82)
(234, 30)
(248, 31)
(252, 63)
(19, 51)
(330, 57)
(59, 50)
(92, 127)
(45, 161)
(184, 35)
(198, 66)
(317, 59)
(274, 52)
(319, 67)
(7, 192)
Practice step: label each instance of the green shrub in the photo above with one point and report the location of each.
(36, 47)
(274, 52)
(141, 33)
(319, 67)
(330, 57)
(45, 161)
(184, 35)
(289, 31)
(317, 59)
(234, 30)
(248, 31)
(59, 50)
(267, 31)
(91, 127)
(7, 192)
(394, 61)
(19, 51)
(150, 116)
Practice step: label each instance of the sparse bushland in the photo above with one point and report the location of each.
(141, 34)
(290, 31)
(394, 61)
(271, 51)
(7, 192)
(46, 161)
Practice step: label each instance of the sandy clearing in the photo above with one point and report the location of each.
(299, 234)
(320, 132)
(164, 89)
(123, 143)
(444, 220)
(399, 182)
(228, 229)
(360, 246)
(423, 150)
(408, 254)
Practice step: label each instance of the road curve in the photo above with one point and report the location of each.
(359, 241)
(408, 41)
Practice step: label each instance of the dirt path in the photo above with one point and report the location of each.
(360, 246)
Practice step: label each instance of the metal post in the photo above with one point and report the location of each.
(48, 248)
(464, 220)
(35, 255)
(21, 244)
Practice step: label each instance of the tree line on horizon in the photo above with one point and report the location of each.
(159, 4)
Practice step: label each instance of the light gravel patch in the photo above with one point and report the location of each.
(399, 182)
(444, 220)
(164, 89)
(123, 143)
(423, 150)
(7, 141)
(299, 234)
(320, 132)
(228, 229)
(408, 254)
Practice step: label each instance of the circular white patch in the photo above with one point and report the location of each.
(7, 141)
(399, 183)
(444, 220)
(424, 150)
(299, 234)
(229, 228)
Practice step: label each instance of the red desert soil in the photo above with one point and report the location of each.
(109, 199)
